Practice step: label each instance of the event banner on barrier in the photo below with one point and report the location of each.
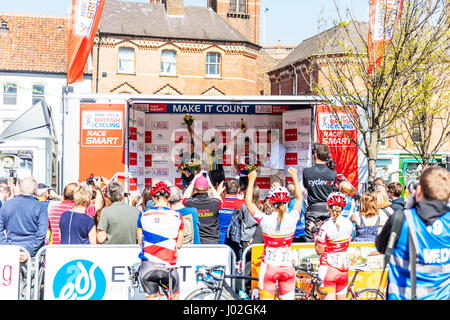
(101, 272)
(9, 271)
(361, 253)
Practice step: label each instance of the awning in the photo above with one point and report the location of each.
(34, 123)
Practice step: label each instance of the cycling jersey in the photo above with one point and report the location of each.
(336, 241)
(276, 265)
(160, 227)
(334, 262)
(277, 238)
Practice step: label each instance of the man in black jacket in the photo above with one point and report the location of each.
(395, 190)
(319, 181)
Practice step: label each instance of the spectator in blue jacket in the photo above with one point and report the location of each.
(24, 219)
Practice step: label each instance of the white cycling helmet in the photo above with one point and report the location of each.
(279, 194)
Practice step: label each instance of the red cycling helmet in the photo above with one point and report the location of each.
(336, 199)
(278, 195)
(160, 189)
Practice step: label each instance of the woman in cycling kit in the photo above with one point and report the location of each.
(278, 227)
(331, 244)
(160, 233)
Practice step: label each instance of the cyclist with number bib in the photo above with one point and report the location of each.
(278, 225)
(160, 233)
(331, 244)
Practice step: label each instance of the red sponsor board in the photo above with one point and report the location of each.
(157, 108)
(133, 184)
(133, 133)
(290, 134)
(337, 134)
(148, 160)
(148, 137)
(133, 159)
(263, 182)
(279, 108)
(148, 182)
(291, 158)
(178, 183)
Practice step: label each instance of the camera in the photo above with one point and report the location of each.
(331, 163)
(370, 186)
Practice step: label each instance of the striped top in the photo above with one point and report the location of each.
(54, 215)
(160, 228)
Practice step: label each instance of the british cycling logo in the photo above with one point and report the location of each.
(79, 280)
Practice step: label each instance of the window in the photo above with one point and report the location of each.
(168, 62)
(213, 64)
(38, 93)
(10, 93)
(126, 60)
(238, 6)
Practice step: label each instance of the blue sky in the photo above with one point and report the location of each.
(290, 20)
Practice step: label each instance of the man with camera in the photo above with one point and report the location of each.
(319, 180)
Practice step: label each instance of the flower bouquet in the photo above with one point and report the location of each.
(188, 120)
(195, 164)
(251, 167)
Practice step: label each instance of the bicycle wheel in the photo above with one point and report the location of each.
(208, 294)
(369, 294)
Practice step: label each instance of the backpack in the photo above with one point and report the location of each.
(234, 228)
(188, 230)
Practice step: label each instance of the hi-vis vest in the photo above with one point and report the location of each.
(432, 245)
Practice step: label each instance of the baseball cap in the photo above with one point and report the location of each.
(201, 182)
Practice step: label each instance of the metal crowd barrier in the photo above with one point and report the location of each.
(24, 273)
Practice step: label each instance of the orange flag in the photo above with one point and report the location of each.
(384, 16)
(84, 21)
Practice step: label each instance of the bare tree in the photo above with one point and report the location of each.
(376, 99)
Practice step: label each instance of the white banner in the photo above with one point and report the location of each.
(9, 272)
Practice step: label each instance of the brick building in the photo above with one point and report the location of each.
(298, 73)
(173, 49)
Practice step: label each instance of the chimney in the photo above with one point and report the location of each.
(174, 7)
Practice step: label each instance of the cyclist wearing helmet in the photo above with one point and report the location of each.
(331, 244)
(278, 226)
(160, 233)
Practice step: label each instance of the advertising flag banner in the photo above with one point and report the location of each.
(383, 18)
(337, 134)
(84, 21)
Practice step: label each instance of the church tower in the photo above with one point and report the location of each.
(243, 15)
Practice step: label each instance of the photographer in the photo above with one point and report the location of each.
(427, 215)
(319, 181)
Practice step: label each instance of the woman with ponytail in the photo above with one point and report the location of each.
(278, 226)
(331, 244)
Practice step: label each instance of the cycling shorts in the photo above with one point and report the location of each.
(268, 277)
(334, 280)
(151, 274)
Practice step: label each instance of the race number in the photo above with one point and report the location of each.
(338, 260)
(278, 256)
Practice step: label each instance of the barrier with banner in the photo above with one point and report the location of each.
(359, 253)
(11, 283)
(100, 272)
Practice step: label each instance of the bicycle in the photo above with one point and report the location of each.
(216, 286)
(371, 293)
(312, 291)
(136, 291)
